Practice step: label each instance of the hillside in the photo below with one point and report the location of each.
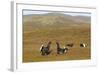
(54, 19)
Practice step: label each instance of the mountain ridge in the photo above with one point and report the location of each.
(50, 19)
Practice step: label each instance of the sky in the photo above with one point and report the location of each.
(28, 12)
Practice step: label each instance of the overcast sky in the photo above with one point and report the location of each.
(28, 12)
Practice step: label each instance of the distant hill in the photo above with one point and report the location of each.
(54, 19)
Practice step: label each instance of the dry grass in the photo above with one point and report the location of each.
(34, 37)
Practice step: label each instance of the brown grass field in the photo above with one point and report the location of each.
(34, 37)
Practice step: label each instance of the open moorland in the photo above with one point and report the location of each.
(41, 28)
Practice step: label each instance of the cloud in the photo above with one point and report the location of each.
(29, 12)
